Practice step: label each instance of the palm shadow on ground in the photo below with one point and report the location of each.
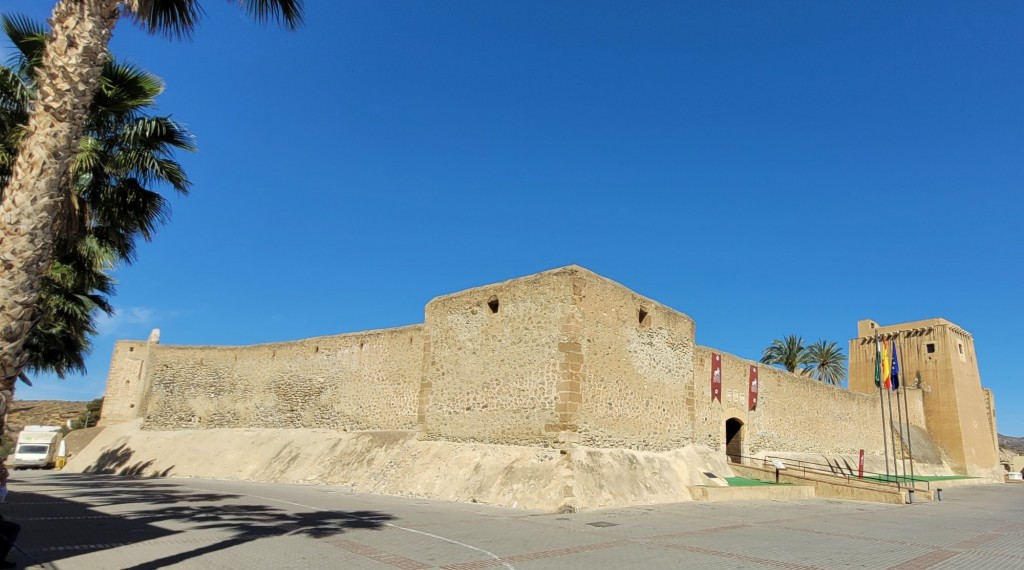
(115, 461)
(112, 512)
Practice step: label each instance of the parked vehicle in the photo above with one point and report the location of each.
(37, 447)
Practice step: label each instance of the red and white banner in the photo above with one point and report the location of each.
(716, 377)
(752, 392)
(860, 465)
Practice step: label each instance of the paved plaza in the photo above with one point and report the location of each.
(86, 522)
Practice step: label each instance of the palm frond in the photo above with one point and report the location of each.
(285, 12)
(173, 18)
(29, 37)
(178, 18)
(790, 353)
(124, 91)
(123, 212)
(75, 291)
(14, 93)
(827, 362)
(161, 134)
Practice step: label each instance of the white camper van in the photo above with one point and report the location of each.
(37, 447)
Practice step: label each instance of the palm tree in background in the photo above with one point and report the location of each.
(35, 199)
(826, 362)
(789, 353)
(110, 203)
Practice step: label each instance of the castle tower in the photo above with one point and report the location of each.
(937, 357)
(124, 399)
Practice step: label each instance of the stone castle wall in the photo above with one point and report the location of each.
(492, 363)
(794, 413)
(554, 359)
(637, 370)
(124, 382)
(559, 357)
(363, 381)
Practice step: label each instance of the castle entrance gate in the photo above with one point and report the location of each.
(734, 439)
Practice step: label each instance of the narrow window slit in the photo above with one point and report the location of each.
(644, 317)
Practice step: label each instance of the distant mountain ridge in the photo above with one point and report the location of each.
(41, 413)
(1015, 444)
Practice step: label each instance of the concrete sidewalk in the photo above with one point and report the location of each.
(86, 522)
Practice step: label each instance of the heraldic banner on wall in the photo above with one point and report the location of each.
(716, 377)
(752, 391)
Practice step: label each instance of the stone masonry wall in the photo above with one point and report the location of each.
(124, 382)
(360, 381)
(637, 369)
(707, 418)
(553, 359)
(492, 367)
(795, 414)
(788, 402)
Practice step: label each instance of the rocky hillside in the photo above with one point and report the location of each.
(1015, 444)
(41, 413)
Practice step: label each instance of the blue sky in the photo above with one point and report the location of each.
(766, 168)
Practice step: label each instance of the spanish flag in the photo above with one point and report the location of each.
(878, 363)
(886, 366)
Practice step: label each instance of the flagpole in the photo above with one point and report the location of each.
(895, 466)
(903, 457)
(910, 445)
(897, 378)
(881, 403)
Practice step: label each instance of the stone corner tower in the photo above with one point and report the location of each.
(938, 358)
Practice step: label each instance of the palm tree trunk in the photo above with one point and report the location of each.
(67, 81)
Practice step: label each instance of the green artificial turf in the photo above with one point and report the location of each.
(744, 482)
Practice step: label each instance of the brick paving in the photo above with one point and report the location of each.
(73, 521)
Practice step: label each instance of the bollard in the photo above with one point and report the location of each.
(910, 496)
(938, 494)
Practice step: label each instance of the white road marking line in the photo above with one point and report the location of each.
(439, 537)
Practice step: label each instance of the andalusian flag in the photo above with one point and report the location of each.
(886, 366)
(895, 374)
(878, 363)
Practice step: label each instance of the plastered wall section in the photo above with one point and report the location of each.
(492, 366)
(637, 369)
(794, 414)
(360, 381)
(121, 401)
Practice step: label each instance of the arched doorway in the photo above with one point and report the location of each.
(734, 439)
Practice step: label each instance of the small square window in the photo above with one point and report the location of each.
(960, 347)
(930, 347)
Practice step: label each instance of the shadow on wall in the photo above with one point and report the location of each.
(115, 462)
(53, 529)
(842, 469)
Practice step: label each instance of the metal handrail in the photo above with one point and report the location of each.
(815, 468)
(886, 478)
